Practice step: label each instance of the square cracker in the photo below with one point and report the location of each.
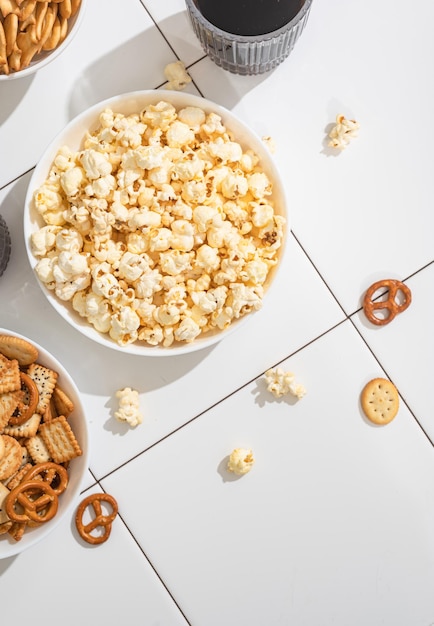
(11, 459)
(8, 403)
(9, 374)
(28, 429)
(59, 439)
(37, 449)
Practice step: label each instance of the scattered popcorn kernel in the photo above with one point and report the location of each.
(270, 143)
(240, 461)
(128, 407)
(343, 131)
(280, 383)
(177, 76)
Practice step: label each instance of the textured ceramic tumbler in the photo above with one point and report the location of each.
(5, 245)
(247, 54)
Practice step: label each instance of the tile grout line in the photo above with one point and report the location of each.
(98, 484)
(155, 570)
(173, 50)
(391, 379)
(233, 392)
(13, 180)
(349, 317)
(319, 274)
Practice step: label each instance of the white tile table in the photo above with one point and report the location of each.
(334, 526)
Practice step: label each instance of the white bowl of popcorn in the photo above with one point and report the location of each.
(155, 222)
(56, 434)
(32, 35)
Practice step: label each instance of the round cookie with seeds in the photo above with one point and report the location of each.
(380, 401)
(17, 348)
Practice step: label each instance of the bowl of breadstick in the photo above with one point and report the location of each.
(34, 32)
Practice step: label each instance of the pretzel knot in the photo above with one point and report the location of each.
(391, 305)
(99, 521)
(55, 475)
(31, 500)
(26, 409)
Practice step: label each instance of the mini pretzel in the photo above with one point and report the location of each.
(100, 520)
(25, 411)
(53, 474)
(37, 499)
(392, 307)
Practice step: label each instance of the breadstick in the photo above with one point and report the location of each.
(10, 26)
(27, 9)
(3, 45)
(53, 40)
(65, 8)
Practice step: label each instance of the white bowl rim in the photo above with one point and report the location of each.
(50, 55)
(131, 102)
(8, 546)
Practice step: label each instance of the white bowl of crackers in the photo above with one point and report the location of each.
(33, 33)
(43, 443)
(155, 222)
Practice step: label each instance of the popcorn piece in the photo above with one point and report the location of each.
(177, 76)
(342, 132)
(160, 228)
(270, 143)
(240, 461)
(129, 410)
(280, 383)
(44, 240)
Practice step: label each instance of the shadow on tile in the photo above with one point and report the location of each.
(263, 396)
(11, 94)
(129, 67)
(222, 469)
(233, 86)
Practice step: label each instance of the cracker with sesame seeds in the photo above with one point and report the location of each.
(45, 380)
(28, 429)
(37, 449)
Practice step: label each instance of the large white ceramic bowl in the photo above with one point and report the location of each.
(73, 135)
(77, 467)
(43, 58)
